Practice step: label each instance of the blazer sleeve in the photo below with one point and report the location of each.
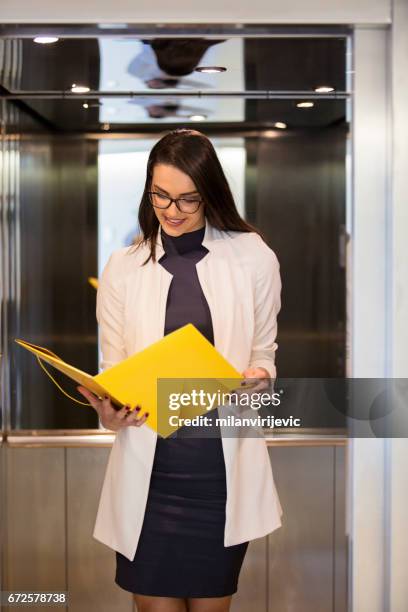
(110, 299)
(267, 304)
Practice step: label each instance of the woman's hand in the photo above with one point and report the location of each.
(263, 378)
(110, 418)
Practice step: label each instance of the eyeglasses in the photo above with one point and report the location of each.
(185, 205)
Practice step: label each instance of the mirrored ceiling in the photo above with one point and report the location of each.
(121, 83)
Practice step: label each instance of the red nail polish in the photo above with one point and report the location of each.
(146, 414)
(138, 408)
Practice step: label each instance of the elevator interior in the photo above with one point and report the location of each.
(73, 164)
(66, 203)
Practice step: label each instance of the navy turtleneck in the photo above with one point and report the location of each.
(186, 302)
(185, 243)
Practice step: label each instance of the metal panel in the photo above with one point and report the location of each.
(252, 586)
(3, 523)
(90, 564)
(397, 536)
(58, 206)
(370, 310)
(397, 287)
(295, 192)
(370, 187)
(296, 567)
(301, 551)
(35, 540)
(340, 537)
(367, 491)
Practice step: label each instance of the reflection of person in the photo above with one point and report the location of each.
(158, 109)
(180, 512)
(162, 62)
(144, 66)
(180, 56)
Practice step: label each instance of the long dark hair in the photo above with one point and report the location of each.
(193, 153)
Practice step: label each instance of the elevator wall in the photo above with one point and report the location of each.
(295, 194)
(49, 221)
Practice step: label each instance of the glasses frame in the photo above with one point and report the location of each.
(175, 200)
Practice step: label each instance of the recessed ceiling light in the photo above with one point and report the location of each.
(92, 104)
(280, 125)
(211, 69)
(79, 88)
(45, 40)
(198, 117)
(324, 89)
(305, 104)
(106, 127)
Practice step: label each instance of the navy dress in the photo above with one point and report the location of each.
(181, 550)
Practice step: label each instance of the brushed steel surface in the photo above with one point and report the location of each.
(105, 438)
(90, 565)
(152, 30)
(301, 553)
(3, 523)
(35, 519)
(255, 95)
(252, 584)
(52, 498)
(284, 202)
(340, 536)
(61, 441)
(50, 302)
(108, 439)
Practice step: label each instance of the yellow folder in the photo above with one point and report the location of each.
(93, 281)
(180, 355)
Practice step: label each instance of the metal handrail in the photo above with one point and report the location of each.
(105, 438)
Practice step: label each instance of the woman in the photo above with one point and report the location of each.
(179, 511)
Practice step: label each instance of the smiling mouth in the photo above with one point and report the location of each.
(174, 221)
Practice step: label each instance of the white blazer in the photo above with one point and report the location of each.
(241, 282)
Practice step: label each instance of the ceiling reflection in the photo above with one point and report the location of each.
(126, 82)
(128, 65)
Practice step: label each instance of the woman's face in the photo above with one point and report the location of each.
(170, 181)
